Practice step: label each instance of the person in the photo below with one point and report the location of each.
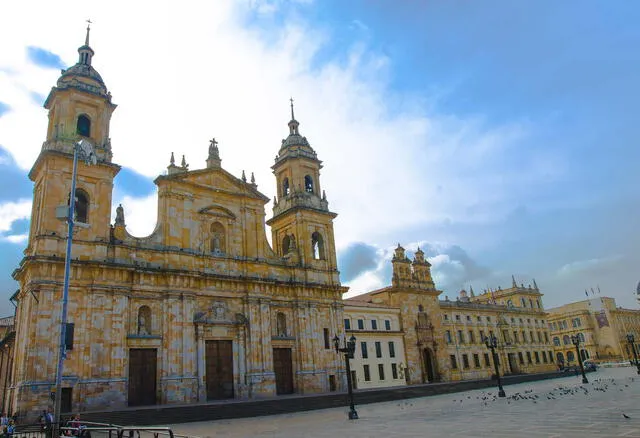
(75, 425)
(48, 421)
(4, 420)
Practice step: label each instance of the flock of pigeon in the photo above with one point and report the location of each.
(596, 385)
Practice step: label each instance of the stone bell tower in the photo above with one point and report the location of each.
(80, 108)
(302, 225)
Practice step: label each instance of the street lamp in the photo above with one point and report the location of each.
(349, 347)
(576, 341)
(491, 342)
(631, 340)
(83, 150)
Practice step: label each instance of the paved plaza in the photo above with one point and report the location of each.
(561, 407)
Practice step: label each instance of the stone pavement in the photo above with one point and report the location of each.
(551, 408)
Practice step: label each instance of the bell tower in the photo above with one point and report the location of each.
(80, 108)
(302, 225)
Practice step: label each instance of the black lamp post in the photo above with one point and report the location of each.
(576, 341)
(491, 342)
(631, 340)
(349, 348)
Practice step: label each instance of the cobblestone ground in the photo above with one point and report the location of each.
(553, 408)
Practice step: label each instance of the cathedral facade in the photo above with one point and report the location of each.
(203, 308)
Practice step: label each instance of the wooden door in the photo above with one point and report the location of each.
(219, 365)
(65, 400)
(142, 376)
(284, 370)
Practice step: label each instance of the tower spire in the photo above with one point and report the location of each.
(86, 40)
(513, 281)
(292, 116)
(293, 123)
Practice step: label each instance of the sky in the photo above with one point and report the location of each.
(500, 137)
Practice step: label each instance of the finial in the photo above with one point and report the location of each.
(535, 285)
(513, 281)
(324, 196)
(244, 177)
(184, 163)
(275, 201)
(253, 179)
(173, 160)
(86, 40)
(292, 116)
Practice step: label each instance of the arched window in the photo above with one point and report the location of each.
(84, 126)
(570, 356)
(218, 240)
(285, 187)
(581, 337)
(556, 341)
(144, 320)
(81, 207)
(308, 184)
(566, 340)
(524, 302)
(286, 245)
(560, 357)
(530, 303)
(317, 246)
(281, 324)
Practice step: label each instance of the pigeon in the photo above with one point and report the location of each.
(625, 415)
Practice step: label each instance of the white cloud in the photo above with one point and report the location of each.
(16, 238)
(595, 265)
(183, 73)
(13, 211)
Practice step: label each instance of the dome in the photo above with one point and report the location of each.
(82, 76)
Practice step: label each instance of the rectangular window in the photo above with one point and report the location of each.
(367, 375)
(374, 324)
(394, 371)
(460, 337)
(392, 349)
(544, 357)
(505, 335)
(457, 317)
(468, 318)
(454, 363)
(347, 324)
(515, 336)
(520, 357)
(537, 356)
(447, 336)
(327, 342)
(465, 360)
(363, 348)
(471, 338)
(361, 324)
(378, 349)
(529, 361)
(488, 319)
(551, 356)
(539, 337)
(486, 360)
(387, 324)
(446, 317)
(481, 335)
(479, 318)
(476, 360)
(381, 371)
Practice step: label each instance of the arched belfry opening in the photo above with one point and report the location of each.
(81, 207)
(308, 184)
(83, 126)
(317, 246)
(285, 187)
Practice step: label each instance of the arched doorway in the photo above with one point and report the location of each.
(429, 365)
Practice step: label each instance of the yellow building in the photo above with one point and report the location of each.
(201, 309)
(7, 341)
(601, 326)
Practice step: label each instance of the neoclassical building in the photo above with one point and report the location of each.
(203, 308)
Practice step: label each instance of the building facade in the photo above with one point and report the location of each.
(601, 326)
(203, 308)
(7, 342)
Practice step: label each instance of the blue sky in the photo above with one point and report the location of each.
(501, 137)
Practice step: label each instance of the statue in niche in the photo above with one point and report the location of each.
(120, 215)
(144, 321)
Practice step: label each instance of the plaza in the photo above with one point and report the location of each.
(562, 407)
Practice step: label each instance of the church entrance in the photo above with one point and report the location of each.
(429, 366)
(142, 376)
(219, 366)
(284, 370)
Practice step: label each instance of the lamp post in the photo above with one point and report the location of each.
(348, 348)
(83, 150)
(491, 342)
(631, 340)
(576, 341)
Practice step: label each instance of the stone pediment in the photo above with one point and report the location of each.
(217, 211)
(222, 181)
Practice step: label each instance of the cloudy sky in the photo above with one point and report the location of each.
(501, 137)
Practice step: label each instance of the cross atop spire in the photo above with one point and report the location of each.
(292, 116)
(86, 40)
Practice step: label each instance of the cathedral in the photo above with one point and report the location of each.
(203, 308)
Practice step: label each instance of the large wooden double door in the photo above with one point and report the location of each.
(219, 366)
(284, 370)
(142, 376)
